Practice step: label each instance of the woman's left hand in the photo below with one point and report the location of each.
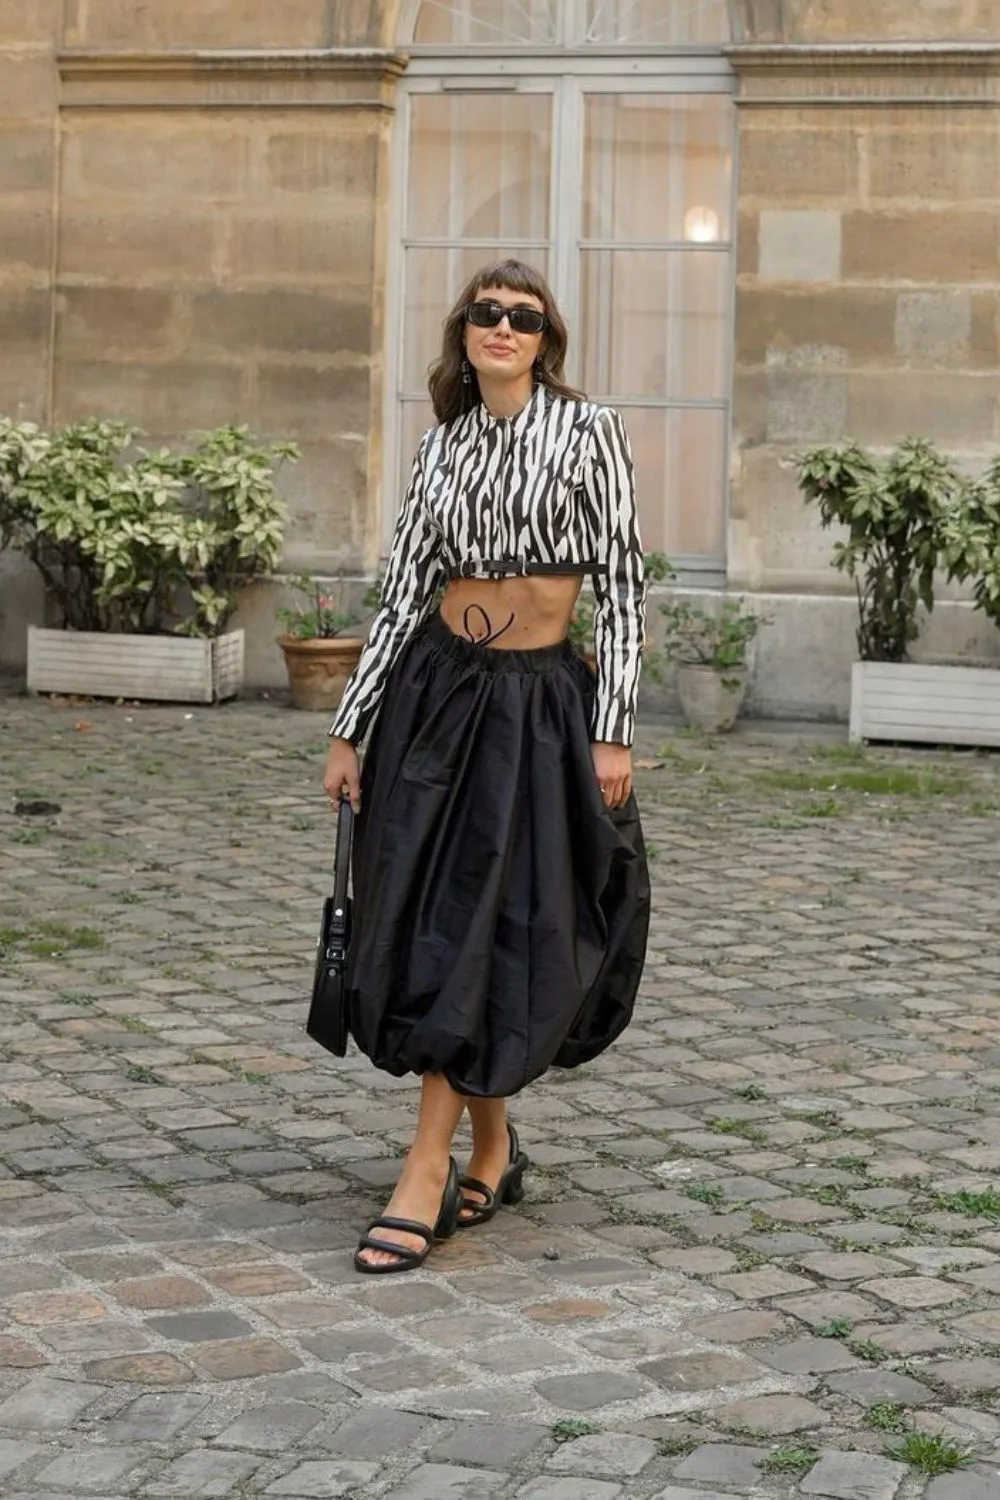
(613, 768)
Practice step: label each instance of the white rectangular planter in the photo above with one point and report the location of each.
(921, 704)
(162, 668)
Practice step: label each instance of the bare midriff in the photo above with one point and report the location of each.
(511, 614)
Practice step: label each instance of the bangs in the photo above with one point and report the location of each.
(513, 276)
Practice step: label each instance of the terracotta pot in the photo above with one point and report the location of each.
(711, 698)
(318, 669)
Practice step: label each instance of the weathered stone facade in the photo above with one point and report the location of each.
(867, 295)
(194, 229)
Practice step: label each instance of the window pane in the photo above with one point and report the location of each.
(479, 166)
(655, 323)
(658, 167)
(434, 279)
(484, 23)
(680, 471)
(415, 418)
(487, 23)
(664, 23)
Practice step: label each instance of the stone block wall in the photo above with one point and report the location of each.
(27, 201)
(868, 299)
(129, 26)
(192, 206)
(889, 20)
(28, 187)
(219, 265)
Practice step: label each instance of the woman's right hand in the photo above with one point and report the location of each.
(343, 773)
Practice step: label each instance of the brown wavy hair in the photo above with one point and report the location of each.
(450, 394)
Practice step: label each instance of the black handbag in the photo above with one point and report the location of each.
(327, 1023)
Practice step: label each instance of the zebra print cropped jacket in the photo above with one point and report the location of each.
(550, 490)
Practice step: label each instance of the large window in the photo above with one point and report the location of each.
(593, 138)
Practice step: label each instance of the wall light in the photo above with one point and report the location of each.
(701, 225)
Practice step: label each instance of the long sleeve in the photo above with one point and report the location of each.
(619, 587)
(412, 575)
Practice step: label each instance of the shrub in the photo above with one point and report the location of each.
(894, 512)
(126, 540)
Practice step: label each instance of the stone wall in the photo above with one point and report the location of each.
(127, 25)
(888, 20)
(214, 250)
(868, 299)
(27, 230)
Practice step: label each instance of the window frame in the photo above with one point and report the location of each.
(568, 74)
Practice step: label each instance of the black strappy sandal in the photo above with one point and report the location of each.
(407, 1259)
(509, 1190)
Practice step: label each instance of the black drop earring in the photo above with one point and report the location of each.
(466, 372)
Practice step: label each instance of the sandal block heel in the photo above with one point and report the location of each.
(512, 1186)
(450, 1204)
(513, 1192)
(509, 1190)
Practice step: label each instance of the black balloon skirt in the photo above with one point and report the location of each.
(500, 910)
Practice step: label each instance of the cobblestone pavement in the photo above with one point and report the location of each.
(760, 1254)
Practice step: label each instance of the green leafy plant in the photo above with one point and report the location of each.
(750, 1091)
(698, 637)
(236, 519)
(789, 1459)
(836, 1328)
(973, 1203)
(888, 1416)
(971, 541)
(896, 513)
(869, 1350)
(929, 1453)
(825, 809)
(320, 616)
(567, 1428)
(705, 1192)
(137, 542)
(677, 1447)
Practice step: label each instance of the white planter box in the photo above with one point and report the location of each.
(164, 668)
(931, 705)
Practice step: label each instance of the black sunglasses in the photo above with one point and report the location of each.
(491, 314)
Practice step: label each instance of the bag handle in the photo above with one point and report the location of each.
(342, 854)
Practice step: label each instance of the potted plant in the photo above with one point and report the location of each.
(711, 650)
(143, 556)
(319, 653)
(905, 516)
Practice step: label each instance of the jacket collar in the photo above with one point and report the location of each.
(532, 410)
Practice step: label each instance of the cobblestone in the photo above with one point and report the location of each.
(14, 1455)
(203, 1473)
(83, 1470)
(446, 1482)
(744, 1215)
(854, 1476)
(324, 1480)
(722, 1463)
(271, 1428)
(157, 1417)
(605, 1455)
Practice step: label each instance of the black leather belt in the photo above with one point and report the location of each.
(514, 567)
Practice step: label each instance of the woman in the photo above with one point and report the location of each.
(501, 898)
